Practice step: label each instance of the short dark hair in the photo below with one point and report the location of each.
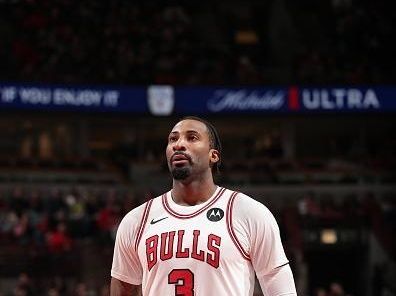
(214, 139)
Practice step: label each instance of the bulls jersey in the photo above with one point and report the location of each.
(214, 248)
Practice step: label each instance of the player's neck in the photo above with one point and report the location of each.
(193, 193)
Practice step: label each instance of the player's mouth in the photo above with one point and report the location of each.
(180, 158)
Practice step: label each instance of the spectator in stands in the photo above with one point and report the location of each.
(18, 291)
(104, 290)
(18, 202)
(320, 292)
(58, 284)
(24, 285)
(108, 219)
(53, 292)
(9, 220)
(58, 241)
(336, 289)
(20, 230)
(81, 289)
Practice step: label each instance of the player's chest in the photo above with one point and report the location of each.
(204, 238)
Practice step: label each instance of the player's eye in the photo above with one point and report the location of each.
(192, 138)
(172, 139)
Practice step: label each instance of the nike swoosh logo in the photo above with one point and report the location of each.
(156, 221)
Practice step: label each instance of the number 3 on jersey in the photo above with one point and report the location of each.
(183, 279)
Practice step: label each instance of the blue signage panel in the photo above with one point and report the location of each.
(285, 100)
(70, 98)
(164, 100)
(342, 99)
(230, 100)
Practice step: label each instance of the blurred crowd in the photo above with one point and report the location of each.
(344, 41)
(377, 213)
(56, 286)
(335, 289)
(26, 285)
(43, 229)
(55, 218)
(121, 42)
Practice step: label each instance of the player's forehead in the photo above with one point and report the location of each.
(190, 125)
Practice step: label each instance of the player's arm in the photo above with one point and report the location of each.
(120, 288)
(271, 265)
(265, 247)
(126, 270)
(279, 282)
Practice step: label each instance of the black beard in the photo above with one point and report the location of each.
(181, 173)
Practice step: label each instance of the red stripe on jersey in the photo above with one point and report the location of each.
(187, 216)
(143, 222)
(231, 229)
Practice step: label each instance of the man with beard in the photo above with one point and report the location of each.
(199, 238)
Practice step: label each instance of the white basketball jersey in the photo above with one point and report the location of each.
(208, 249)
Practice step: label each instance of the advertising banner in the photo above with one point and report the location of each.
(166, 100)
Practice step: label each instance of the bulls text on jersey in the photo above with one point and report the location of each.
(171, 247)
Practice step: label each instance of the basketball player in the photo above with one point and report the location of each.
(199, 238)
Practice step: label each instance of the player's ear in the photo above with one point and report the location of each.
(214, 155)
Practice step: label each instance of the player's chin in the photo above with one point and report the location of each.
(181, 173)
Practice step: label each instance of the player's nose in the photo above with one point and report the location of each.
(179, 145)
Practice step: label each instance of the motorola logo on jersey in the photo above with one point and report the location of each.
(215, 214)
